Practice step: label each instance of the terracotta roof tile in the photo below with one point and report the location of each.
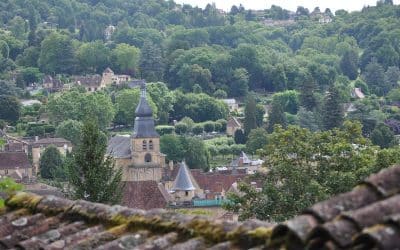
(13, 160)
(364, 219)
(144, 195)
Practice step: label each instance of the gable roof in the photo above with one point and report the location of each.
(14, 160)
(183, 181)
(145, 195)
(365, 218)
(233, 122)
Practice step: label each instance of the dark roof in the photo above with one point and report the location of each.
(89, 80)
(14, 147)
(368, 217)
(59, 142)
(136, 83)
(144, 121)
(182, 180)
(13, 160)
(145, 195)
(233, 122)
(108, 70)
(119, 147)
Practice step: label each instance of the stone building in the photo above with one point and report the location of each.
(232, 125)
(139, 155)
(15, 165)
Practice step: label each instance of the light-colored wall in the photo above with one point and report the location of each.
(23, 171)
(183, 195)
(231, 130)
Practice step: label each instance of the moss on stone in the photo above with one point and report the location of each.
(23, 200)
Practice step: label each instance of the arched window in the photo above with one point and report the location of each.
(151, 145)
(144, 145)
(147, 158)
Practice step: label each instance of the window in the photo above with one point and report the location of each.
(187, 193)
(144, 145)
(147, 158)
(151, 145)
(6, 171)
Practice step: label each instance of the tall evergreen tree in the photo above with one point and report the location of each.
(349, 64)
(50, 161)
(92, 175)
(307, 89)
(151, 62)
(250, 114)
(374, 76)
(276, 116)
(333, 110)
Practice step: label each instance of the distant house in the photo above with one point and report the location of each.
(91, 83)
(244, 162)
(15, 165)
(38, 146)
(232, 104)
(51, 84)
(232, 125)
(357, 93)
(109, 78)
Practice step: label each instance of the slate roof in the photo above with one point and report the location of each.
(233, 122)
(119, 147)
(182, 180)
(14, 160)
(144, 121)
(365, 218)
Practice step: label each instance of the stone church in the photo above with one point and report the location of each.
(139, 154)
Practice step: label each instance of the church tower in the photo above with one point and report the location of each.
(139, 155)
(145, 140)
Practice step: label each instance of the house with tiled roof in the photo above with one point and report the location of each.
(15, 165)
(52, 84)
(366, 217)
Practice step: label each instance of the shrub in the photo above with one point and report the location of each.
(198, 129)
(209, 126)
(165, 129)
(181, 128)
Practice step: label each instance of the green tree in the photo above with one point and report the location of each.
(181, 128)
(304, 168)
(333, 115)
(171, 145)
(91, 175)
(349, 64)
(196, 154)
(383, 136)
(239, 136)
(198, 129)
(70, 130)
(374, 76)
(392, 77)
(276, 116)
(163, 99)
(57, 54)
(125, 58)
(93, 57)
(239, 83)
(151, 62)
(257, 139)
(307, 92)
(250, 115)
(50, 162)
(288, 99)
(10, 108)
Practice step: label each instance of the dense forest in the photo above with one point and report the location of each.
(311, 77)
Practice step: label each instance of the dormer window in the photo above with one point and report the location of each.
(151, 145)
(144, 145)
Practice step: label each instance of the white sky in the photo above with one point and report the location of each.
(286, 4)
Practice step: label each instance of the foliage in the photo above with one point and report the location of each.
(50, 161)
(240, 137)
(383, 136)
(198, 129)
(257, 139)
(333, 111)
(8, 186)
(70, 130)
(276, 116)
(165, 129)
(305, 167)
(9, 108)
(79, 106)
(250, 115)
(125, 58)
(171, 145)
(91, 175)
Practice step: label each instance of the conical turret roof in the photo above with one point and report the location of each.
(182, 180)
(143, 109)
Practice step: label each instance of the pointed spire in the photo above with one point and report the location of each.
(143, 109)
(182, 180)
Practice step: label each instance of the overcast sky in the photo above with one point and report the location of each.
(287, 4)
